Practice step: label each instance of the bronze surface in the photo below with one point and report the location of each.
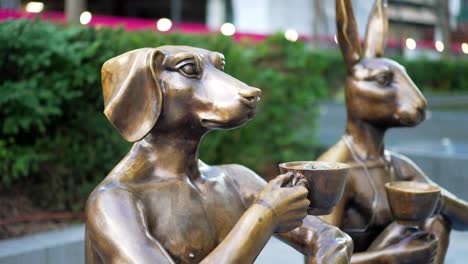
(324, 180)
(412, 202)
(160, 204)
(380, 95)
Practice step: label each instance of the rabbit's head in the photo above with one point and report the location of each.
(378, 90)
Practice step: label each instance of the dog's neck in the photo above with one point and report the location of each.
(173, 155)
(367, 139)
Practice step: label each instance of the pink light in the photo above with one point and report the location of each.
(133, 24)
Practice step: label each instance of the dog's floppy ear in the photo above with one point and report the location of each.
(347, 33)
(132, 93)
(377, 29)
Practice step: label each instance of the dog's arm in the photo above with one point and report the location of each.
(117, 226)
(320, 242)
(246, 240)
(451, 207)
(324, 243)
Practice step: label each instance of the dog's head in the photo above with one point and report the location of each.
(175, 87)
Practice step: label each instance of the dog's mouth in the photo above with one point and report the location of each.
(250, 102)
(213, 123)
(226, 124)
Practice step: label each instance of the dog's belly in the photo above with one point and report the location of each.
(190, 223)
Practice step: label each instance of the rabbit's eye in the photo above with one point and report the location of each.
(384, 79)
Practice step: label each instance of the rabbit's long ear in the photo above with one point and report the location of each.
(132, 93)
(347, 32)
(377, 29)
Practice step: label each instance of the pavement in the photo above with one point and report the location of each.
(66, 246)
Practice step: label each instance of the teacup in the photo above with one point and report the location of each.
(324, 180)
(412, 202)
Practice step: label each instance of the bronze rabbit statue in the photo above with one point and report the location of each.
(380, 95)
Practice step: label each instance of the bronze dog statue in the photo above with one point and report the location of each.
(160, 204)
(380, 95)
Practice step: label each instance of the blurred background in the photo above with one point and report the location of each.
(56, 145)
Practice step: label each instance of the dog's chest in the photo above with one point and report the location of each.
(191, 221)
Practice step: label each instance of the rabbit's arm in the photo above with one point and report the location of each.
(455, 210)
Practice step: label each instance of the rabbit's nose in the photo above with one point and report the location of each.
(251, 94)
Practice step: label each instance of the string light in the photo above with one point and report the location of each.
(464, 47)
(439, 46)
(34, 7)
(410, 43)
(291, 35)
(164, 24)
(85, 17)
(228, 29)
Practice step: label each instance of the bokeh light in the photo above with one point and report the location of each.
(411, 43)
(439, 46)
(291, 35)
(85, 17)
(228, 29)
(34, 7)
(164, 24)
(464, 47)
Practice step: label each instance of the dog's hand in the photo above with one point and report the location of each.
(287, 204)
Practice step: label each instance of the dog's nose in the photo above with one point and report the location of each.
(422, 104)
(251, 94)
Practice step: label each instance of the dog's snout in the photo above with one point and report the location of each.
(250, 94)
(422, 105)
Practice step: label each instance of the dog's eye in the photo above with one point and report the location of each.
(189, 69)
(384, 79)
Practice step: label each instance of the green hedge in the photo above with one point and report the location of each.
(56, 145)
(439, 75)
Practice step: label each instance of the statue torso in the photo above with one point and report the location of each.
(189, 219)
(367, 212)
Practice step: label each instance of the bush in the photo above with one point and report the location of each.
(56, 143)
(439, 75)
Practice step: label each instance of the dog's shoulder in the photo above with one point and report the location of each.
(244, 179)
(108, 196)
(109, 189)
